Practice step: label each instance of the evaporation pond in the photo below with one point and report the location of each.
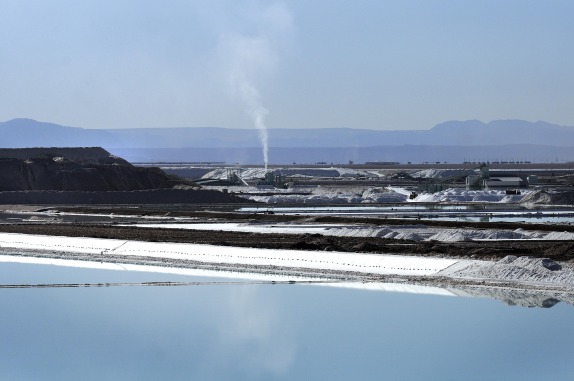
(249, 331)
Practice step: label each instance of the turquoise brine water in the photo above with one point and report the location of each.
(246, 331)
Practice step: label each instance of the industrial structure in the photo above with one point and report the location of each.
(483, 180)
(274, 179)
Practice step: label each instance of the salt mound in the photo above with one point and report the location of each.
(535, 264)
(505, 234)
(462, 195)
(508, 259)
(356, 231)
(390, 235)
(384, 232)
(539, 270)
(324, 195)
(456, 235)
(377, 195)
(560, 236)
(408, 236)
(442, 173)
(450, 236)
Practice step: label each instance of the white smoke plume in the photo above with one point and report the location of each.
(252, 58)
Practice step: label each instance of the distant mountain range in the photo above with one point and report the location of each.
(496, 140)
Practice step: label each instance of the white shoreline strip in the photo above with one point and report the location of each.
(365, 263)
(151, 269)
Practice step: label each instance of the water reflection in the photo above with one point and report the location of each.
(262, 331)
(62, 273)
(512, 297)
(475, 212)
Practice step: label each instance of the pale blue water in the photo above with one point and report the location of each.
(520, 218)
(475, 213)
(267, 332)
(352, 209)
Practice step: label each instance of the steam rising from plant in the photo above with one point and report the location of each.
(251, 58)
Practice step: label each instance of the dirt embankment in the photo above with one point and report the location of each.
(93, 155)
(154, 196)
(564, 197)
(66, 175)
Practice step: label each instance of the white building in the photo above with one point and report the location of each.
(502, 182)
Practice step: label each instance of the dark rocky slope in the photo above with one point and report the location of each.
(76, 169)
(91, 176)
(140, 197)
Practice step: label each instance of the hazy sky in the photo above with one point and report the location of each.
(299, 64)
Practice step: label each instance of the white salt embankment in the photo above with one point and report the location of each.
(415, 232)
(251, 257)
(523, 270)
(366, 195)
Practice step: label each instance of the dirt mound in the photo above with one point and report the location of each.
(76, 169)
(563, 250)
(151, 196)
(550, 198)
(94, 155)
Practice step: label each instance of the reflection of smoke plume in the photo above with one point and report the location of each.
(251, 58)
(257, 325)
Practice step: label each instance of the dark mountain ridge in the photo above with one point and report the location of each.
(358, 155)
(452, 141)
(30, 133)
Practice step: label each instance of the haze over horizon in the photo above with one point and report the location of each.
(24, 121)
(388, 65)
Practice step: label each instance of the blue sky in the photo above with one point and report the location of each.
(297, 64)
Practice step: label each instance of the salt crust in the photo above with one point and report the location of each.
(403, 232)
(366, 263)
(527, 270)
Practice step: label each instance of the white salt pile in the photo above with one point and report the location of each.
(512, 268)
(442, 173)
(332, 195)
(462, 195)
(325, 195)
(403, 232)
(259, 173)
